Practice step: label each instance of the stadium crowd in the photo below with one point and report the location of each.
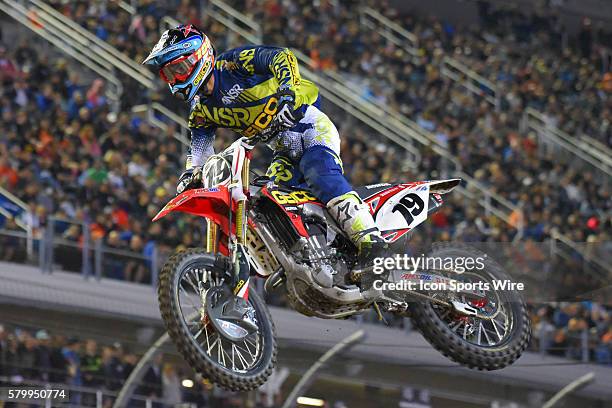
(66, 154)
(41, 356)
(527, 55)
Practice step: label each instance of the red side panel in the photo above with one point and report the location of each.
(294, 216)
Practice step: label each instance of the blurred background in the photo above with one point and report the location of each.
(513, 96)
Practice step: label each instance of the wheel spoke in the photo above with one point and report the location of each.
(242, 360)
(493, 321)
(445, 314)
(454, 326)
(188, 297)
(487, 336)
(195, 289)
(211, 346)
(233, 354)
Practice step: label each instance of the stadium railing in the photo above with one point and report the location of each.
(12, 208)
(50, 30)
(113, 57)
(594, 154)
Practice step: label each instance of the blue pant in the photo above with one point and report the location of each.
(319, 168)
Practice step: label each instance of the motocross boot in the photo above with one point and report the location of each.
(354, 218)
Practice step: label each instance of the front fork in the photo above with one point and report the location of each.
(237, 250)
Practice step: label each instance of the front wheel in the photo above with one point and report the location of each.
(491, 340)
(188, 283)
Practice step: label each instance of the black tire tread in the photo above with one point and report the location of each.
(172, 320)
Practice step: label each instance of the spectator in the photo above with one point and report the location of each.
(91, 370)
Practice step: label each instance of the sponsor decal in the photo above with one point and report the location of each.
(236, 117)
(233, 93)
(417, 276)
(264, 118)
(246, 58)
(188, 29)
(294, 197)
(200, 75)
(160, 44)
(239, 286)
(371, 186)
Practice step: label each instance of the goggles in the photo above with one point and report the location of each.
(181, 68)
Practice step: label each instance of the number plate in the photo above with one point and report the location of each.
(407, 209)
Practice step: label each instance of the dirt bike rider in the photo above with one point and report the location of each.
(233, 90)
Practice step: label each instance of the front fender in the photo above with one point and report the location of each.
(211, 203)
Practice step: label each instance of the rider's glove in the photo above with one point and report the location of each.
(286, 115)
(191, 178)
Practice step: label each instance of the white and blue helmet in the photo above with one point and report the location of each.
(185, 58)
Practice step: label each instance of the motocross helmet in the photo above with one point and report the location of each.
(185, 58)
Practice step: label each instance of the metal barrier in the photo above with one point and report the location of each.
(591, 263)
(20, 222)
(470, 80)
(69, 246)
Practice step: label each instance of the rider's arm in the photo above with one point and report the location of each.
(202, 140)
(280, 62)
(262, 60)
(202, 137)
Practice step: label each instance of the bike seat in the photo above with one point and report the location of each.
(369, 190)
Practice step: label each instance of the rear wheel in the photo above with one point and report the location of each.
(491, 340)
(189, 286)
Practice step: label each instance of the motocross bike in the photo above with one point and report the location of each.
(285, 235)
